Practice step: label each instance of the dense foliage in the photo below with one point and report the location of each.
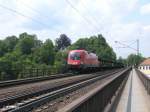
(95, 44)
(62, 42)
(25, 52)
(134, 59)
(131, 60)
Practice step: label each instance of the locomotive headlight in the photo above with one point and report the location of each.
(75, 63)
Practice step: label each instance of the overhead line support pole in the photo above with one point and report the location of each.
(138, 47)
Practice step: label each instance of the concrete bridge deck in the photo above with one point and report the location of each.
(134, 97)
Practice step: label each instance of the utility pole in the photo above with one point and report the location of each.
(129, 46)
(138, 51)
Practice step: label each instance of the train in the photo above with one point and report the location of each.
(83, 60)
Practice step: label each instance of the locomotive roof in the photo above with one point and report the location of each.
(80, 50)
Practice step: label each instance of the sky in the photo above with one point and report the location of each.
(124, 21)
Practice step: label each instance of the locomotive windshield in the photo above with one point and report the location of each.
(75, 55)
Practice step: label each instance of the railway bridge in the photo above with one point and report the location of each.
(135, 97)
(116, 90)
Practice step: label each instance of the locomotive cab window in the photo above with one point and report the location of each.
(75, 56)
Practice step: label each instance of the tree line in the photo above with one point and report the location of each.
(131, 60)
(26, 52)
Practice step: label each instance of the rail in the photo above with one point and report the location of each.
(98, 99)
(31, 80)
(145, 80)
(60, 92)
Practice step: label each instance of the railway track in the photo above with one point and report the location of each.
(9, 83)
(23, 89)
(103, 98)
(27, 101)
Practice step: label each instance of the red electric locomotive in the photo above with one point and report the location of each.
(81, 59)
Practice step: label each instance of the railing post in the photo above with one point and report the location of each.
(37, 73)
(145, 80)
(148, 87)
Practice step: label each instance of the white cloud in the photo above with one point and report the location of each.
(145, 9)
(147, 28)
(58, 17)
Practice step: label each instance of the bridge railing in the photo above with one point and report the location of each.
(101, 98)
(145, 80)
(35, 72)
(24, 73)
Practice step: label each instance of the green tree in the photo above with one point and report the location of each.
(5, 69)
(62, 42)
(122, 60)
(27, 43)
(61, 61)
(134, 59)
(10, 43)
(46, 53)
(3, 48)
(95, 44)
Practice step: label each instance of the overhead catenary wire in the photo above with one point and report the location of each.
(126, 46)
(133, 43)
(95, 21)
(37, 11)
(33, 9)
(26, 16)
(83, 17)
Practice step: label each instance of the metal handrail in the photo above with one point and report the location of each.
(145, 80)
